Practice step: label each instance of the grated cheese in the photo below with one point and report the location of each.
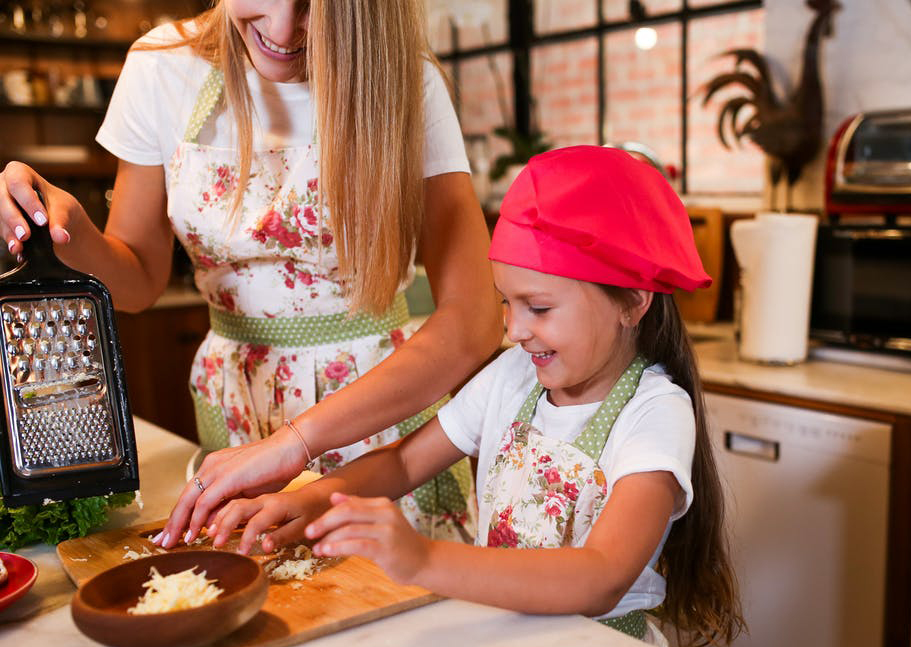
(184, 590)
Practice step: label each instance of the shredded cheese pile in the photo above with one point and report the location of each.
(184, 590)
(293, 569)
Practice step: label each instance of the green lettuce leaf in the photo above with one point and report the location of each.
(57, 521)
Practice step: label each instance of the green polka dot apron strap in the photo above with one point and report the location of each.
(632, 624)
(594, 436)
(307, 331)
(208, 97)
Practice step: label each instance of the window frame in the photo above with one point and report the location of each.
(522, 40)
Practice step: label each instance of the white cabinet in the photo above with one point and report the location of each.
(807, 497)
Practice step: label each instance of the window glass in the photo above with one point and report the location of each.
(617, 10)
(643, 90)
(479, 22)
(485, 96)
(439, 30)
(565, 89)
(711, 167)
(562, 15)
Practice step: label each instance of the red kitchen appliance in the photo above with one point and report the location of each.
(868, 169)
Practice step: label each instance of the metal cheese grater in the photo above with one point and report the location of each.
(67, 429)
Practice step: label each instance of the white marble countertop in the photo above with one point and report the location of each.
(42, 617)
(818, 378)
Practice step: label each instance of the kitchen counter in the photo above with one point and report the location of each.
(818, 378)
(42, 617)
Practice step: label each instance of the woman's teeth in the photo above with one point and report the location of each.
(543, 355)
(277, 48)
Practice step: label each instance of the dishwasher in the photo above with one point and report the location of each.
(807, 497)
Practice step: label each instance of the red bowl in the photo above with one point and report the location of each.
(22, 574)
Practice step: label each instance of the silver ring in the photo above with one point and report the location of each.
(199, 484)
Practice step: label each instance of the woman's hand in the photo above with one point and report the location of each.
(18, 185)
(290, 511)
(237, 472)
(371, 528)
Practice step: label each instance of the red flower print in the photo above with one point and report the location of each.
(219, 188)
(226, 299)
(502, 535)
(283, 372)
(326, 239)
(397, 337)
(289, 267)
(552, 475)
(545, 458)
(194, 239)
(505, 514)
(309, 216)
(553, 509)
(210, 365)
(205, 196)
(201, 386)
(204, 261)
(337, 371)
(255, 353)
(305, 277)
(571, 490)
(273, 227)
(312, 183)
(289, 282)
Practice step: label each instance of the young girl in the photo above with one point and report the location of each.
(593, 457)
(302, 153)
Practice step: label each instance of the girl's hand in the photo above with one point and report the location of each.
(371, 528)
(290, 511)
(237, 472)
(18, 184)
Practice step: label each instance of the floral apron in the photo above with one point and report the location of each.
(546, 493)
(281, 338)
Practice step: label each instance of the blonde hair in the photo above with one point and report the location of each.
(365, 66)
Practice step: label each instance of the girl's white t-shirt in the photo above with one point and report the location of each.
(157, 90)
(655, 431)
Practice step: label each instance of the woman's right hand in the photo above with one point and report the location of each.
(247, 471)
(18, 185)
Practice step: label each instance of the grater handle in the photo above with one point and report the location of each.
(38, 250)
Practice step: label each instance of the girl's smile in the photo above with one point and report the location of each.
(579, 340)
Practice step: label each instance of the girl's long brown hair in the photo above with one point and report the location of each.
(702, 599)
(365, 65)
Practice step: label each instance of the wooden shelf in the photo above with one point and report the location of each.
(49, 108)
(42, 40)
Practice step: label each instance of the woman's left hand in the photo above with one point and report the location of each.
(371, 528)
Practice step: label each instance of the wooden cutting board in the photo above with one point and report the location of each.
(344, 593)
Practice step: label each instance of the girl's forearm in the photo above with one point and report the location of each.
(552, 581)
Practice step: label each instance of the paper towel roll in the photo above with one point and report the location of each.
(775, 253)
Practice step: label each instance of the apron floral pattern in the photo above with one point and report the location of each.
(546, 493)
(281, 338)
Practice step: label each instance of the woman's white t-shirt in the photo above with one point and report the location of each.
(655, 431)
(157, 90)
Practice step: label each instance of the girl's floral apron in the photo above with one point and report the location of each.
(280, 338)
(546, 493)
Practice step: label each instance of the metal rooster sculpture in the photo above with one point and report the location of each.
(788, 130)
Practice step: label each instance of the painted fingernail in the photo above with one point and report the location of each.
(10, 245)
(186, 537)
(165, 539)
(64, 233)
(211, 530)
(39, 218)
(157, 538)
(20, 232)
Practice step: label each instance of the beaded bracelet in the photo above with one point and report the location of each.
(300, 436)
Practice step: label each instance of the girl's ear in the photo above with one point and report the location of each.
(642, 300)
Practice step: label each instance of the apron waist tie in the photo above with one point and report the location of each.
(314, 330)
(632, 624)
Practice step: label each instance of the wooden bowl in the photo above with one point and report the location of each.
(100, 605)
